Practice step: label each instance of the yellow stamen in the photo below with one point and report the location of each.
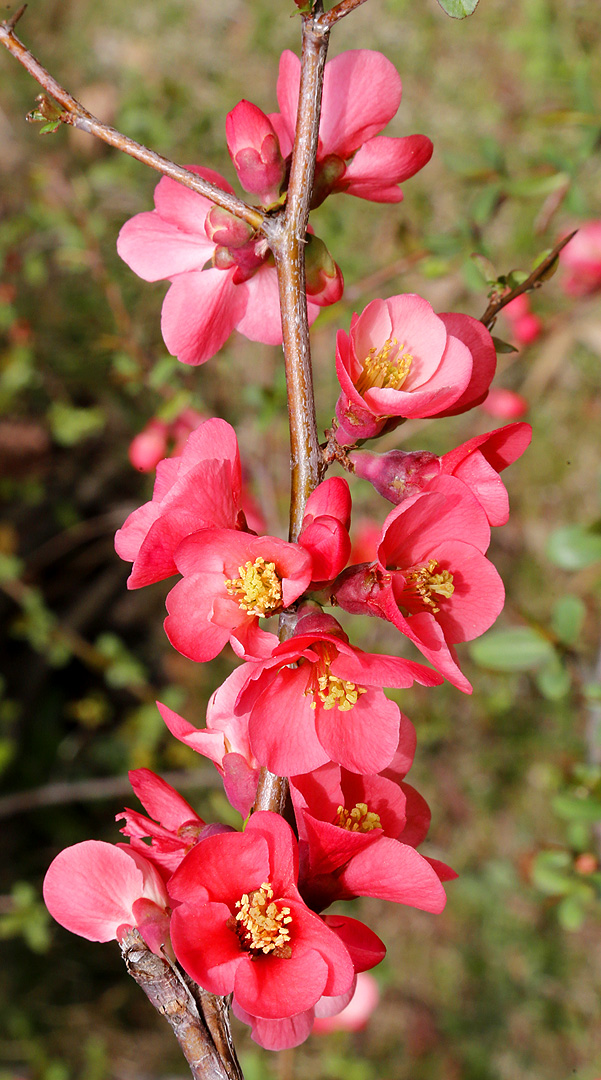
(261, 925)
(359, 819)
(425, 582)
(258, 590)
(386, 369)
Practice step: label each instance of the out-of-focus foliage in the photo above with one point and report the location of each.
(495, 988)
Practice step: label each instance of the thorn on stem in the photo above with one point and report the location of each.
(11, 22)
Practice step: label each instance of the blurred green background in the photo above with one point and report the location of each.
(505, 984)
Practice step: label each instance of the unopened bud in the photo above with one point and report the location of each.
(255, 150)
(227, 230)
(328, 174)
(325, 283)
(397, 474)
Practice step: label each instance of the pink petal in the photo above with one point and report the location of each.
(332, 498)
(283, 850)
(365, 948)
(161, 801)
(418, 817)
(184, 208)
(280, 987)
(154, 249)
(282, 727)
(204, 945)
(392, 871)
(90, 889)
(363, 740)
(381, 164)
(479, 342)
(276, 1034)
(188, 625)
(361, 93)
(261, 320)
(500, 447)
(210, 744)
(199, 313)
(487, 486)
(130, 537)
(222, 869)
(479, 594)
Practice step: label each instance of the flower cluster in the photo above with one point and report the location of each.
(245, 912)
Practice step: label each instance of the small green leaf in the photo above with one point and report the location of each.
(50, 127)
(571, 913)
(518, 649)
(568, 617)
(503, 346)
(458, 9)
(537, 186)
(574, 547)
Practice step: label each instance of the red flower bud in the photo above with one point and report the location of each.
(225, 229)
(397, 474)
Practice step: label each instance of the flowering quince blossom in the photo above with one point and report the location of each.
(201, 489)
(176, 828)
(431, 578)
(225, 741)
(241, 927)
(361, 93)
(402, 360)
(318, 699)
(477, 463)
(230, 579)
(504, 404)
(581, 258)
(151, 444)
(357, 839)
(325, 529)
(365, 950)
(222, 275)
(100, 890)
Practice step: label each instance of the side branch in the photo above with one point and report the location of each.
(538, 276)
(167, 990)
(74, 114)
(332, 16)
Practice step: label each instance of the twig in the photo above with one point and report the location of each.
(536, 279)
(61, 793)
(166, 989)
(327, 20)
(77, 116)
(286, 236)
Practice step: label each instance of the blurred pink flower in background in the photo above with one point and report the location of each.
(356, 1014)
(526, 327)
(581, 258)
(504, 404)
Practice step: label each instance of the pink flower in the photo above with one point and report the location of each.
(357, 838)
(581, 258)
(224, 741)
(176, 827)
(329, 706)
(504, 404)
(361, 93)
(399, 474)
(365, 540)
(199, 490)
(478, 462)
(149, 446)
(98, 891)
(402, 360)
(526, 327)
(355, 1015)
(222, 276)
(230, 579)
(365, 949)
(241, 927)
(324, 532)
(431, 578)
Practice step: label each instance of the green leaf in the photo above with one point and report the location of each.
(71, 425)
(554, 680)
(568, 617)
(50, 127)
(458, 9)
(551, 872)
(577, 808)
(518, 649)
(537, 186)
(574, 547)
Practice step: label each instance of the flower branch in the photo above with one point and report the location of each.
(539, 275)
(76, 115)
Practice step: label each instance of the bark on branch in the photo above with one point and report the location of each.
(199, 1021)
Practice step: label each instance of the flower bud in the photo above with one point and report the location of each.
(325, 283)
(149, 446)
(227, 230)
(328, 172)
(397, 474)
(255, 151)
